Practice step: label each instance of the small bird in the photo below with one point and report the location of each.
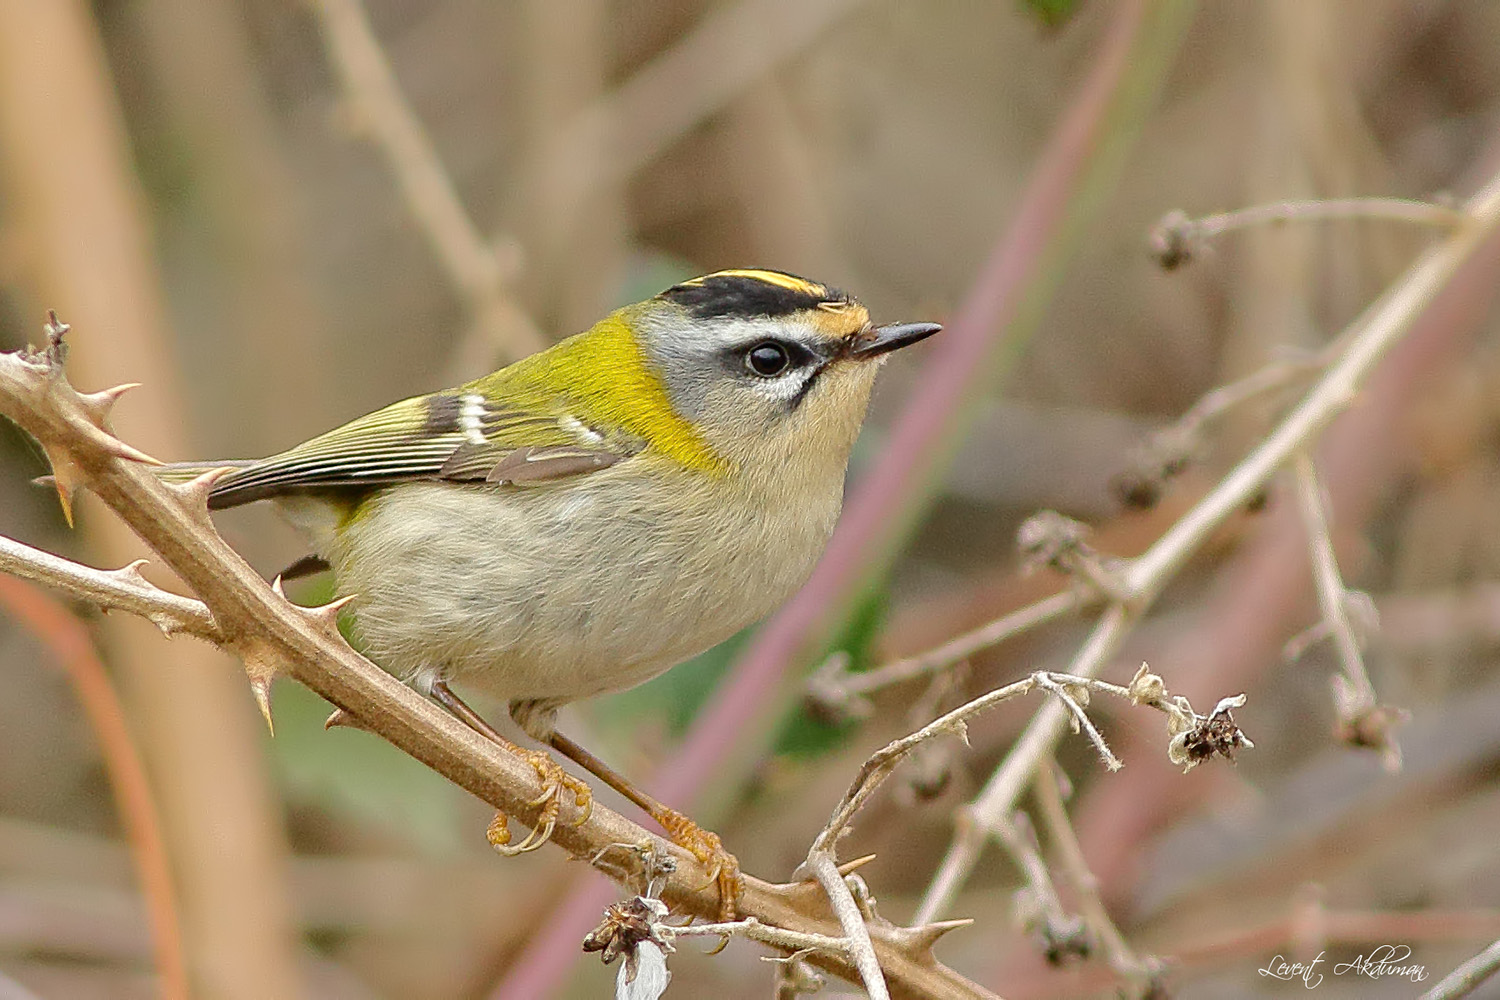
(592, 515)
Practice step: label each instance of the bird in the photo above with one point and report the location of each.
(591, 515)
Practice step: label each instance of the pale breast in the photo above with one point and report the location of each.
(567, 591)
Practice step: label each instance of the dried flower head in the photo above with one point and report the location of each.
(1174, 240)
(626, 924)
(1205, 737)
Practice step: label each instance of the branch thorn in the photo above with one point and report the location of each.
(99, 404)
(921, 938)
(261, 688)
(195, 492)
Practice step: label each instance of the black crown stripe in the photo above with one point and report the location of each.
(750, 294)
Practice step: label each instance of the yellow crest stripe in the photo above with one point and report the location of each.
(787, 281)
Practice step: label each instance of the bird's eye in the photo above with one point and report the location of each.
(768, 359)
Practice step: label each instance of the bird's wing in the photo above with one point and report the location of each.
(458, 436)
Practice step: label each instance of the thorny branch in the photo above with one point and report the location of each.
(123, 589)
(244, 615)
(1362, 345)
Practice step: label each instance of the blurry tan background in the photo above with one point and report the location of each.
(243, 249)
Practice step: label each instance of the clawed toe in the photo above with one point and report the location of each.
(498, 834)
(555, 783)
(723, 867)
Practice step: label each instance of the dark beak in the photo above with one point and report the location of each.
(885, 339)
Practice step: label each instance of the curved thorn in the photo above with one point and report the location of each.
(132, 571)
(261, 688)
(98, 404)
(195, 492)
(340, 718)
(120, 449)
(924, 936)
(849, 867)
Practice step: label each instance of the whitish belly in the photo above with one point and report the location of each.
(564, 593)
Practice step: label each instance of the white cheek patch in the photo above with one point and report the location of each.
(785, 388)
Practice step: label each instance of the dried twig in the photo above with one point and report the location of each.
(777, 937)
(1362, 721)
(1365, 342)
(1141, 970)
(1185, 728)
(1193, 738)
(1178, 238)
(834, 687)
(1063, 936)
(1167, 453)
(1462, 980)
(822, 867)
(274, 637)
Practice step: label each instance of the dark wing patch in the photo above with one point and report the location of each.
(443, 410)
(751, 293)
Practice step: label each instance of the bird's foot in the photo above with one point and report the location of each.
(556, 785)
(723, 867)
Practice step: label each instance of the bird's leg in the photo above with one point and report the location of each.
(555, 781)
(724, 868)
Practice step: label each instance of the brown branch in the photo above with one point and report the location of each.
(121, 589)
(69, 643)
(274, 637)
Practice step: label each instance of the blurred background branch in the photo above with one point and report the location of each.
(69, 643)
